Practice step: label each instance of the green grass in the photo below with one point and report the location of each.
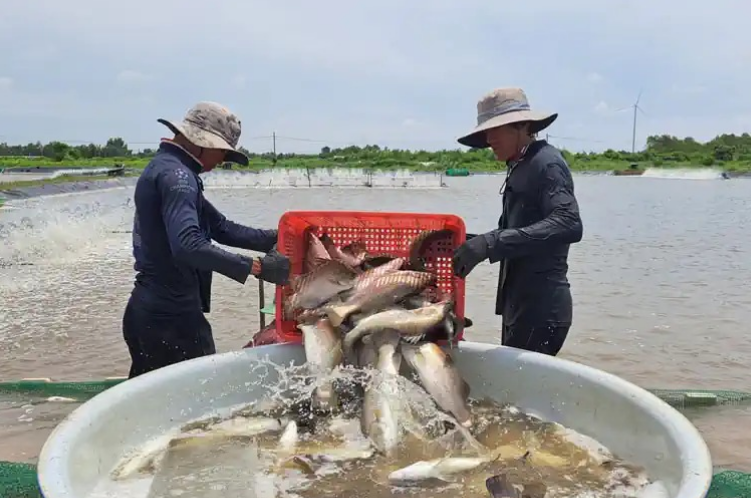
(471, 164)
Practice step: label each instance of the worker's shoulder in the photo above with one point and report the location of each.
(548, 155)
(552, 166)
(168, 169)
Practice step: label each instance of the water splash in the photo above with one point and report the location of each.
(323, 177)
(683, 173)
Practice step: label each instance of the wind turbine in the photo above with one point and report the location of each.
(636, 107)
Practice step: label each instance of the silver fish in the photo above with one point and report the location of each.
(380, 294)
(411, 325)
(441, 469)
(313, 289)
(323, 351)
(380, 411)
(441, 379)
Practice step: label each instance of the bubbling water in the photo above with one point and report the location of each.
(280, 446)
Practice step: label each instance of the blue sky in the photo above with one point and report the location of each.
(400, 74)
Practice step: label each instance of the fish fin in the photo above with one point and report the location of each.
(499, 487)
(294, 282)
(316, 262)
(337, 314)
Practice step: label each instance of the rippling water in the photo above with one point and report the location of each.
(659, 286)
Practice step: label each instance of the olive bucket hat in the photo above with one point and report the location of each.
(500, 107)
(211, 126)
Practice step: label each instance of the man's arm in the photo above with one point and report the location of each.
(561, 225)
(179, 195)
(233, 234)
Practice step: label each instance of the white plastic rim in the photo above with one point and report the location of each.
(633, 423)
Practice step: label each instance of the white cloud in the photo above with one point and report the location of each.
(5, 83)
(594, 77)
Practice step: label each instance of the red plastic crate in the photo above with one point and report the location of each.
(389, 233)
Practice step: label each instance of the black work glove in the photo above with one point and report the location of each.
(274, 268)
(469, 255)
(270, 238)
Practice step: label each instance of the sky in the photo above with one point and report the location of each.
(400, 74)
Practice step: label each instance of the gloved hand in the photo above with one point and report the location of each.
(469, 255)
(274, 268)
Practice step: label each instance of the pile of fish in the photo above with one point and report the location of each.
(373, 311)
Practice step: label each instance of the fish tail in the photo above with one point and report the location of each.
(499, 487)
(337, 314)
(413, 339)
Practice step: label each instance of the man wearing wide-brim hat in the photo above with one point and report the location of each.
(174, 225)
(540, 220)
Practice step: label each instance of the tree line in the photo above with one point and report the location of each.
(660, 149)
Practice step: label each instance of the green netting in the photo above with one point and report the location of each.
(19, 480)
(730, 484)
(46, 388)
(690, 398)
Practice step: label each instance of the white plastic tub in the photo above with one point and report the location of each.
(631, 422)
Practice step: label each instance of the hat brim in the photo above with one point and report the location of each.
(207, 140)
(477, 139)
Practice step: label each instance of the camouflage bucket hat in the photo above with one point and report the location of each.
(211, 126)
(500, 107)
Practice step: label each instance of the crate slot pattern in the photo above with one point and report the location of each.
(382, 233)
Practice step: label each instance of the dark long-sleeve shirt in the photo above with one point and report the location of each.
(172, 232)
(540, 220)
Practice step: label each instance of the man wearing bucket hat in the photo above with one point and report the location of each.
(540, 220)
(174, 225)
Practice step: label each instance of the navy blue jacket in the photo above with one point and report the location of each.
(540, 220)
(172, 232)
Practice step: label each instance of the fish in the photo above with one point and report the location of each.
(499, 487)
(351, 255)
(323, 352)
(366, 353)
(441, 379)
(410, 324)
(421, 244)
(144, 460)
(316, 253)
(357, 250)
(384, 291)
(368, 277)
(242, 426)
(289, 437)
(442, 469)
(375, 261)
(379, 420)
(300, 463)
(312, 290)
(343, 454)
